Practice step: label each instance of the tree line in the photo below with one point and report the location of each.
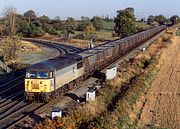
(125, 21)
(30, 25)
(161, 19)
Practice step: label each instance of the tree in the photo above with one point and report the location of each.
(97, 22)
(151, 19)
(130, 9)
(49, 29)
(45, 22)
(30, 15)
(24, 28)
(85, 21)
(10, 20)
(160, 19)
(174, 19)
(57, 24)
(44, 19)
(125, 22)
(36, 31)
(70, 26)
(10, 47)
(90, 31)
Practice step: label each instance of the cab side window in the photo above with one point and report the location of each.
(79, 65)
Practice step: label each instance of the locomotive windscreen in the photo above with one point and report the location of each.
(35, 74)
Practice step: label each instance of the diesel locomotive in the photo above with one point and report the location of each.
(48, 79)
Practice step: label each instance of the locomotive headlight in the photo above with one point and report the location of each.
(45, 87)
(41, 82)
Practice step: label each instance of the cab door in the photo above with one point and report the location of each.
(74, 69)
(52, 80)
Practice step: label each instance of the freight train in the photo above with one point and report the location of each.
(48, 79)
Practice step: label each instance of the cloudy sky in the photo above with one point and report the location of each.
(78, 8)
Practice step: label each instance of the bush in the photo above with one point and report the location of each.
(79, 36)
(37, 31)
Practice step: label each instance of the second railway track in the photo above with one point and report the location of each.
(62, 48)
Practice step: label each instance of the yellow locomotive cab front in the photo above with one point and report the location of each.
(38, 85)
(38, 82)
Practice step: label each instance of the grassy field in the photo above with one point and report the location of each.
(142, 25)
(108, 26)
(107, 30)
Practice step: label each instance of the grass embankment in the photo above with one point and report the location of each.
(117, 103)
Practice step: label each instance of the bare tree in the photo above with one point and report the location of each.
(10, 20)
(10, 47)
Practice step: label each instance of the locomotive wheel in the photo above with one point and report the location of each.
(29, 98)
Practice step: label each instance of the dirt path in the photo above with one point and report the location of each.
(162, 107)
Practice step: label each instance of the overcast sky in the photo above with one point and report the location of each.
(78, 8)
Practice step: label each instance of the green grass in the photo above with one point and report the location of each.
(42, 52)
(142, 25)
(104, 34)
(108, 26)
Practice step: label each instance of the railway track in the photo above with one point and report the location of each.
(10, 119)
(11, 96)
(62, 48)
(7, 90)
(11, 82)
(25, 113)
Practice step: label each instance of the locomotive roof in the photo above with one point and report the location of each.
(102, 47)
(117, 42)
(108, 45)
(89, 52)
(56, 63)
